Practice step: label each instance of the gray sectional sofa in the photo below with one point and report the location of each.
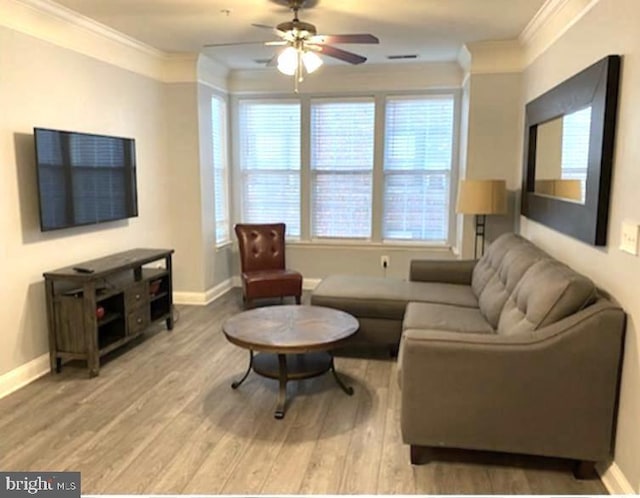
(515, 352)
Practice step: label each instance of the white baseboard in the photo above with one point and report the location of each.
(615, 481)
(23, 375)
(310, 283)
(203, 298)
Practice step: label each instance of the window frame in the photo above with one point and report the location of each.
(376, 240)
(315, 173)
(240, 174)
(226, 171)
(453, 172)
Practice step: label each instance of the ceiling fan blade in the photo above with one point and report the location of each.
(210, 45)
(278, 43)
(263, 26)
(343, 55)
(281, 34)
(353, 38)
(273, 62)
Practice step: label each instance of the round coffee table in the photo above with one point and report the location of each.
(294, 343)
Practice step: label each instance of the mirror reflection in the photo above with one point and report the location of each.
(562, 156)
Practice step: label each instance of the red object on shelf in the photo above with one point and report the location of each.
(154, 287)
(100, 312)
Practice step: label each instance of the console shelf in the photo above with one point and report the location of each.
(132, 297)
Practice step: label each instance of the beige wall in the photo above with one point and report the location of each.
(493, 143)
(318, 261)
(611, 27)
(549, 150)
(43, 85)
(184, 178)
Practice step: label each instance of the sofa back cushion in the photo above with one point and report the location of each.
(547, 292)
(498, 272)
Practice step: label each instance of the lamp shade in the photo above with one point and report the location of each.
(565, 188)
(288, 61)
(311, 61)
(482, 197)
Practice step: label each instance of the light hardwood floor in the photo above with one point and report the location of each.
(162, 418)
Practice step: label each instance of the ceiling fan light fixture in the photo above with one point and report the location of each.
(288, 61)
(311, 61)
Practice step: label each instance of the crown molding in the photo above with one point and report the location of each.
(554, 19)
(537, 22)
(464, 59)
(63, 27)
(212, 73)
(65, 14)
(494, 57)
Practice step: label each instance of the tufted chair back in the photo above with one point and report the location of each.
(262, 263)
(261, 246)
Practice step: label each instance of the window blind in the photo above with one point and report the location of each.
(269, 153)
(576, 129)
(342, 139)
(220, 169)
(417, 168)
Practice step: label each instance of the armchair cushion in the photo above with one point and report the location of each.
(269, 283)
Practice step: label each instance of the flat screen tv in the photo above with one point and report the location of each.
(84, 179)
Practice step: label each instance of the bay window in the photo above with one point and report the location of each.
(376, 168)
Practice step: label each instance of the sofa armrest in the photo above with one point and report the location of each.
(444, 271)
(550, 392)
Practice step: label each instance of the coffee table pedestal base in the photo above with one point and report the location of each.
(286, 367)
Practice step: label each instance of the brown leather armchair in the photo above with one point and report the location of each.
(263, 265)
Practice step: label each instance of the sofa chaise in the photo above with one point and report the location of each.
(515, 352)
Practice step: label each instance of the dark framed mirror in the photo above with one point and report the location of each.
(568, 145)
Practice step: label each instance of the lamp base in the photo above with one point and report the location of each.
(481, 221)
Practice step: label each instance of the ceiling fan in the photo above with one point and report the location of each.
(303, 44)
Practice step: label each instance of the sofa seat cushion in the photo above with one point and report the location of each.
(378, 297)
(431, 316)
(371, 297)
(441, 293)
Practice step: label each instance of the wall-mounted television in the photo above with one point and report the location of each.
(84, 179)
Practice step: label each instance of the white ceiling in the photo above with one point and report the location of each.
(433, 29)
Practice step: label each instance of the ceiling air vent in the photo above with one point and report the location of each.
(400, 57)
(261, 61)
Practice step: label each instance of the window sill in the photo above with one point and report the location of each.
(223, 245)
(360, 244)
